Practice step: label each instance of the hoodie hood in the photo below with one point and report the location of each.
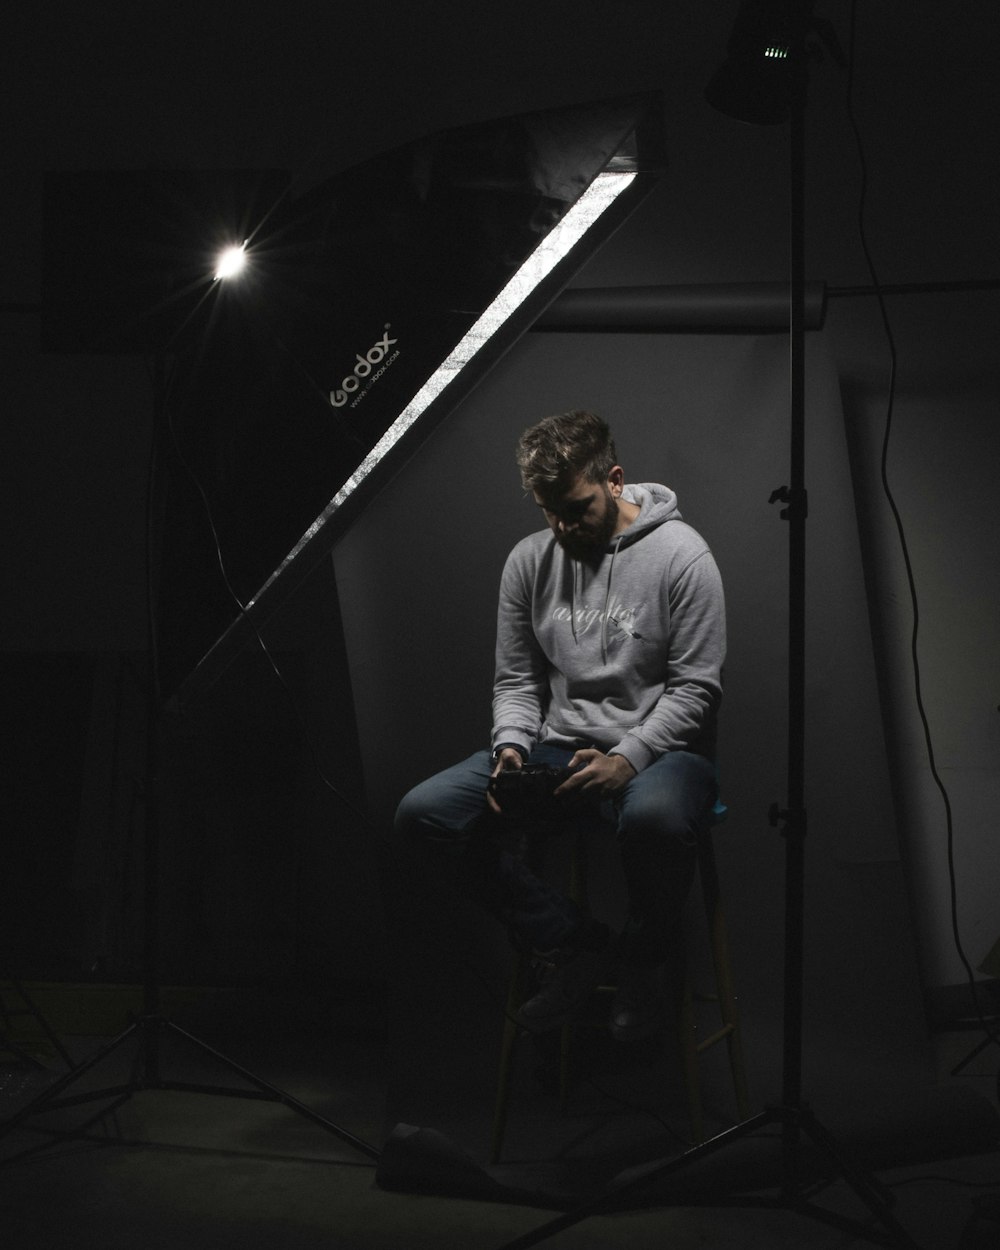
(657, 504)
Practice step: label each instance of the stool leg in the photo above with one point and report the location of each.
(515, 992)
(719, 943)
(687, 1043)
(565, 1065)
(577, 890)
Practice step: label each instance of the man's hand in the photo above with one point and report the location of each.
(607, 774)
(508, 758)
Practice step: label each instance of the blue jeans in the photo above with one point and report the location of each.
(658, 818)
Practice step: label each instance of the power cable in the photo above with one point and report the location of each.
(248, 615)
(879, 293)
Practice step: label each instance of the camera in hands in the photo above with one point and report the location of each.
(528, 793)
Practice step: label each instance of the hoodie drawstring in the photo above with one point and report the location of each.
(607, 601)
(572, 604)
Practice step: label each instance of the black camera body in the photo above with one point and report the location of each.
(527, 793)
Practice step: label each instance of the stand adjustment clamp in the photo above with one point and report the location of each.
(794, 822)
(797, 500)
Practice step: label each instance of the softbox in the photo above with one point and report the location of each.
(372, 303)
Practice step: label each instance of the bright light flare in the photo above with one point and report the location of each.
(231, 261)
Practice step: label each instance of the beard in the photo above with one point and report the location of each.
(589, 545)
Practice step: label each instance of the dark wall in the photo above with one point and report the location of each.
(706, 415)
(75, 434)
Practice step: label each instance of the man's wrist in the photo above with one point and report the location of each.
(631, 769)
(500, 747)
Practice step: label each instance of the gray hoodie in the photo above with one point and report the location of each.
(625, 656)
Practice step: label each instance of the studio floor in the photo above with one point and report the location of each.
(168, 1169)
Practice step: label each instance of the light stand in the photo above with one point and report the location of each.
(794, 1118)
(150, 1028)
(460, 328)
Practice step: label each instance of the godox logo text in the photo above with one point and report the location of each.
(372, 357)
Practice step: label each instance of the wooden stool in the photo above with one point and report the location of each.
(691, 1047)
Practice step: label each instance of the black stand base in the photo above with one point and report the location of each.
(29, 1009)
(795, 1122)
(149, 1031)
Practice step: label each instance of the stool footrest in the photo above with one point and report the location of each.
(719, 1036)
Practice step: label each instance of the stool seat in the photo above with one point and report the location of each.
(690, 1047)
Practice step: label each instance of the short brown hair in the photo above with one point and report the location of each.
(553, 452)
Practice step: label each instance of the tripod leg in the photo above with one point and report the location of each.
(973, 1054)
(40, 1019)
(69, 1134)
(148, 1028)
(875, 1197)
(272, 1092)
(46, 1100)
(7, 1044)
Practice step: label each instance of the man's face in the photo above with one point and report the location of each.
(582, 516)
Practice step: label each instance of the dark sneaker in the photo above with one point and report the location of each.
(640, 1005)
(567, 978)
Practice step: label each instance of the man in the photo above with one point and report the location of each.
(609, 652)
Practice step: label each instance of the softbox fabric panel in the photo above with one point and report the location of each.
(356, 292)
